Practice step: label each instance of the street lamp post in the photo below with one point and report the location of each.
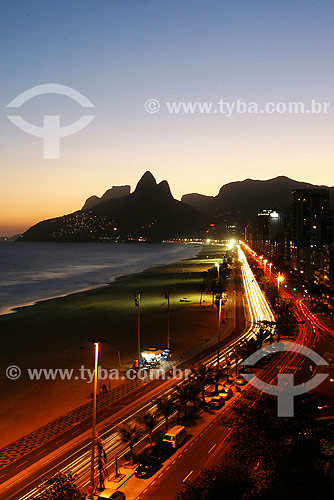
(96, 346)
(280, 279)
(218, 345)
(219, 323)
(217, 266)
(168, 317)
(137, 303)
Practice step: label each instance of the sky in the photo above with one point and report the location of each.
(122, 53)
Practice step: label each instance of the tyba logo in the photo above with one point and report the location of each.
(51, 132)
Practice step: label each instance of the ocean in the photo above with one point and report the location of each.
(30, 272)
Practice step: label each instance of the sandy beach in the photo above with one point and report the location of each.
(55, 334)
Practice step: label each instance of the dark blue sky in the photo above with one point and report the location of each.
(120, 53)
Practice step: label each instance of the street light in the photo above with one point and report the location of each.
(280, 279)
(96, 349)
(219, 322)
(217, 266)
(137, 304)
(264, 266)
(168, 317)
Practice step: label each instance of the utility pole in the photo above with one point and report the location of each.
(137, 304)
(219, 322)
(168, 318)
(96, 349)
(280, 279)
(217, 266)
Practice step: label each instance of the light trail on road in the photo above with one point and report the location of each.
(310, 328)
(258, 305)
(259, 310)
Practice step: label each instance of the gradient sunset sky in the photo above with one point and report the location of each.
(119, 54)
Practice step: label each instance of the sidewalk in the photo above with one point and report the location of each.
(132, 487)
(57, 427)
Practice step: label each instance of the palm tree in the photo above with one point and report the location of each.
(194, 390)
(237, 354)
(261, 335)
(219, 371)
(166, 407)
(148, 421)
(183, 396)
(203, 374)
(129, 433)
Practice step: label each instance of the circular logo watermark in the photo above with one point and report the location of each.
(51, 132)
(152, 105)
(13, 372)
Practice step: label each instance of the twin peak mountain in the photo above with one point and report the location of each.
(150, 212)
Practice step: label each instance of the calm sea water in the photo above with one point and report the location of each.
(35, 271)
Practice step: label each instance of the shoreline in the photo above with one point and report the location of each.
(54, 333)
(16, 308)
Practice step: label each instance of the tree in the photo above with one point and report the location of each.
(60, 487)
(203, 374)
(148, 421)
(166, 407)
(288, 324)
(237, 355)
(194, 391)
(183, 395)
(276, 450)
(219, 371)
(261, 335)
(129, 433)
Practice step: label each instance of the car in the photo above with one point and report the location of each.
(240, 380)
(147, 468)
(245, 370)
(217, 402)
(161, 451)
(111, 494)
(226, 393)
(175, 436)
(207, 399)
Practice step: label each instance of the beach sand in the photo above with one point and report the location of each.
(55, 334)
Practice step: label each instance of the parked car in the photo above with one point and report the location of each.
(245, 370)
(161, 451)
(217, 402)
(147, 468)
(240, 380)
(226, 393)
(175, 436)
(207, 399)
(111, 494)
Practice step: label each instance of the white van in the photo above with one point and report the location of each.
(175, 436)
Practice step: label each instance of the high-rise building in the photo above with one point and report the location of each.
(268, 229)
(310, 209)
(311, 232)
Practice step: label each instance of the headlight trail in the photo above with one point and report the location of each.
(258, 305)
(259, 310)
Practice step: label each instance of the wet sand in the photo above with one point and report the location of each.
(56, 333)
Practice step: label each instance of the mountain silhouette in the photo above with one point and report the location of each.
(242, 200)
(150, 212)
(114, 192)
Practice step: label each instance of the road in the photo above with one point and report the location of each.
(210, 446)
(205, 450)
(71, 451)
